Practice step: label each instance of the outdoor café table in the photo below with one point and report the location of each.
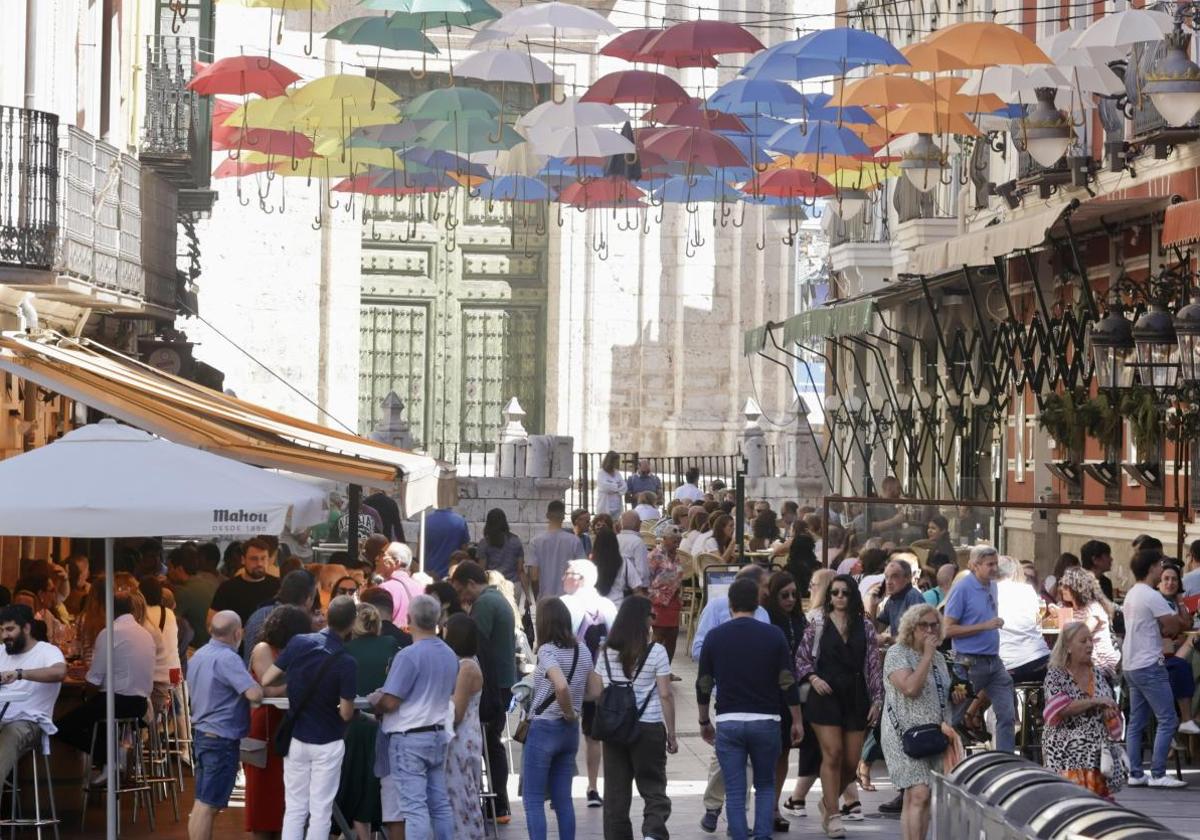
(360, 704)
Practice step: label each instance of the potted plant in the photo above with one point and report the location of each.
(1145, 417)
(1101, 419)
(1060, 417)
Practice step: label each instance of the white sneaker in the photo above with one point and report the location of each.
(1189, 727)
(1166, 782)
(1137, 781)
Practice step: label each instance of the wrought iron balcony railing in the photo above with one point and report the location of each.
(28, 187)
(176, 130)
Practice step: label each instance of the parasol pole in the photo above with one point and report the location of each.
(110, 697)
(421, 544)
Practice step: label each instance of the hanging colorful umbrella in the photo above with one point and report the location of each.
(983, 44)
(504, 66)
(929, 119)
(582, 141)
(816, 138)
(842, 47)
(231, 168)
(411, 183)
(545, 20)
(343, 86)
(390, 136)
(602, 192)
(521, 159)
(375, 32)
(243, 75)
(635, 86)
(781, 63)
(446, 103)
(791, 184)
(885, 90)
(749, 97)
(702, 188)
(694, 115)
(434, 14)
(515, 188)
(342, 116)
(559, 173)
(693, 146)
(693, 43)
(569, 113)
(466, 136)
(926, 58)
(438, 160)
(278, 112)
(1126, 28)
(265, 140)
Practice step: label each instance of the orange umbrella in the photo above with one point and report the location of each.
(984, 44)
(929, 119)
(885, 90)
(925, 58)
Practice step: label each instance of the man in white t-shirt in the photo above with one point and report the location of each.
(1148, 618)
(31, 673)
(690, 491)
(1023, 649)
(633, 547)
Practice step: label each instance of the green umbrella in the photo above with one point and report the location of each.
(427, 16)
(445, 103)
(375, 32)
(467, 135)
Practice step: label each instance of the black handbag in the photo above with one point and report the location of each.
(283, 735)
(522, 730)
(927, 739)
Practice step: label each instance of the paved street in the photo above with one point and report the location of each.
(1179, 810)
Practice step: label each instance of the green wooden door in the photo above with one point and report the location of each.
(453, 314)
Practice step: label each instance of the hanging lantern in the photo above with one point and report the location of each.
(1173, 83)
(923, 163)
(1112, 342)
(1048, 132)
(1155, 340)
(851, 203)
(1187, 328)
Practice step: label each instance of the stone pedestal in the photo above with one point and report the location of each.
(523, 501)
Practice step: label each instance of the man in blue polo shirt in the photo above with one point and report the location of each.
(221, 690)
(321, 686)
(973, 626)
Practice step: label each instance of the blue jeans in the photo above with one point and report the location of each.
(759, 741)
(1150, 691)
(417, 785)
(987, 673)
(548, 763)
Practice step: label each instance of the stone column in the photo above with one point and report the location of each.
(754, 444)
(514, 441)
(392, 428)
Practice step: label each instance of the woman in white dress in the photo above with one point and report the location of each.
(610, 487)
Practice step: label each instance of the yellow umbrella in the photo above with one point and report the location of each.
(985, 44)
(344, 86)
(871, 175)
(884, 90)
(278, 112)
(333, 148)
(346, 115)
(929, 119)
(319, 167)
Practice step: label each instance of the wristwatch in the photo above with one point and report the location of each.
(706, 722)
(20, 673)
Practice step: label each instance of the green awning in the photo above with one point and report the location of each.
(832, 321)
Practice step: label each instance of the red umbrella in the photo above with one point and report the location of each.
(685, 44)
(790, 183)
(230, 168)
(357, 184)
(641, 86)
(242, 75)
(266, 140)
(632, 44)
(694, 115)
(222, 109)
(601, 192)
(696, 145)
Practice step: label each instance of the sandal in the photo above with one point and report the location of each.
(781, 824)
(794, 807)
(852, 812)
(863, 776)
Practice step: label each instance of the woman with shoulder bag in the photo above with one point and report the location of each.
(631, 657)
(552, 740)
(1083, 726)
(915, 731)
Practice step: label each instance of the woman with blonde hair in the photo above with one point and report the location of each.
(1080, 593)
(1083, 726)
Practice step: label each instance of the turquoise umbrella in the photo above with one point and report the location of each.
(445, 103)
(426, 16)
(375, 32)
(467, 135)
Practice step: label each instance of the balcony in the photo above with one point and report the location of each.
(1031, 175)
(176, 131)
(80, 222)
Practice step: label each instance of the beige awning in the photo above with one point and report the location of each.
(981, 247)
(191, 414)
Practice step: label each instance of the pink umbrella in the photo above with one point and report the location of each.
(694, 115)
(690, 44)
(696, 146)
(642, 86)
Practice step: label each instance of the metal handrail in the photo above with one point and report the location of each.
(28, 187)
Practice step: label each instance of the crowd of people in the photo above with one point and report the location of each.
(373, 690)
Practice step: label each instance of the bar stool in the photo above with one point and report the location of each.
(13, 784)
(181, 727)
(162, 781)
(1030, 705)
(129, 731)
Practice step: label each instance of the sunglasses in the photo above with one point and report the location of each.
(929, 625)
(839, 593)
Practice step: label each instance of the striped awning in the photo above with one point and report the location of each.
(815, 325)
(1181, 224)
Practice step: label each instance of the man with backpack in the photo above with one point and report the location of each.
(591, 617)
(749, 666)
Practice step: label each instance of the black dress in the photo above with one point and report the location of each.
(842, 664)
(810, 751)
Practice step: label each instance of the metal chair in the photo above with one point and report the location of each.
(129, 732)
(13, 784)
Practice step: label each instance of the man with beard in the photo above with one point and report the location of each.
(31, 673)
(243, 595)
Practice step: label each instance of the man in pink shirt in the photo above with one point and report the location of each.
(392, 566)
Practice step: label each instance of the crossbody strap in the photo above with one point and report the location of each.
(545, 704)
(629, 682)
(941, 691)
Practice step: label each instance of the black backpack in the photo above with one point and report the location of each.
(617, 712)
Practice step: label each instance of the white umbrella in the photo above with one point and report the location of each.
(108, 480)
(1059, 47)
(545, 20)
(521, 159)
(1005, 82)
(505, 66)
(583, 141)
(569, 114)
(1124, 29)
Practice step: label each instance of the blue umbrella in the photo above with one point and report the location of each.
(821, 106)
(816, 138)
(751, 146)
(394, 180)
(827, 52)
(748, 97)
(704, 188)
(515, 188)
(558, 173)
(781, 62)
(442, 160)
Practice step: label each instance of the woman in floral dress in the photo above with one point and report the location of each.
(465, 759)
(666, 586)
(1082, 721)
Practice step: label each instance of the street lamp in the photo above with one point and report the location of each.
(1048, 131)
(851, 202)
(922, 163)
(1187, 328)
(1155, 340)
(1112, 342)
(1173, 83)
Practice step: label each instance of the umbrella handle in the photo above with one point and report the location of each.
(540, 225)
(645, 214)
(738, 224)
(499, 122)
(560, 218)
(246, 202)
(420, 74)
(761, 167)
(179, 10)
(308, 48)
(449, 243)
